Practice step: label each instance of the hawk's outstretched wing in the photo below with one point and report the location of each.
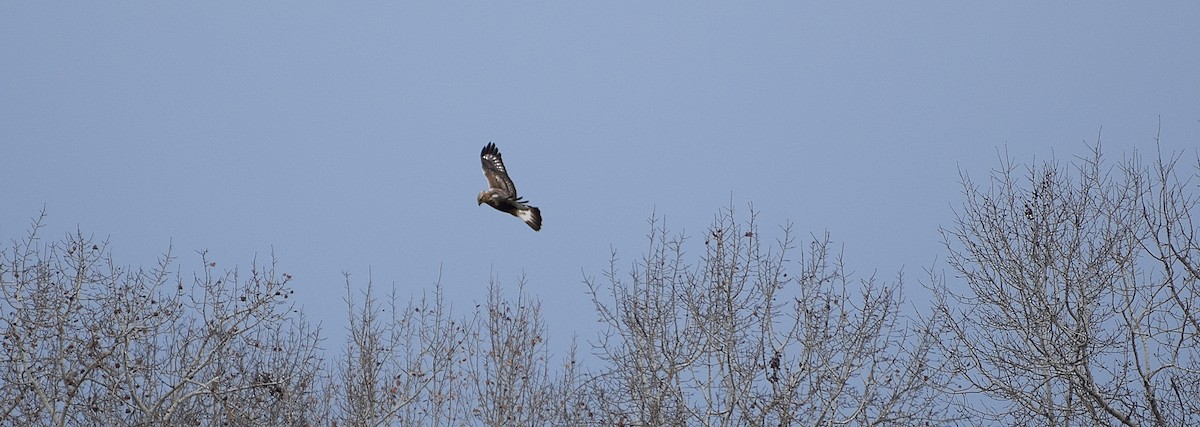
(493, 169)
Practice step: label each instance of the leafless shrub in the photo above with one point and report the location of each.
(406, 365)
(418, 365)
(514, 380)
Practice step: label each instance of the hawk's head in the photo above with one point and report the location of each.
(483, 196)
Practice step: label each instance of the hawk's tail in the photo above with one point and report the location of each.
(533, 217)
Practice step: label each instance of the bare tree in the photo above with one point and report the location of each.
(1078, 305)
(86, 342)
(737, 340)
(1080, 297)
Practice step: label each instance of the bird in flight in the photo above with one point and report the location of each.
(501, 193)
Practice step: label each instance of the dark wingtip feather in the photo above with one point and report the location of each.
(490, 148)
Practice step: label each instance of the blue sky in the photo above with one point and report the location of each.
(345, 137)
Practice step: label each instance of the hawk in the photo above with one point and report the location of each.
(501, 193)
